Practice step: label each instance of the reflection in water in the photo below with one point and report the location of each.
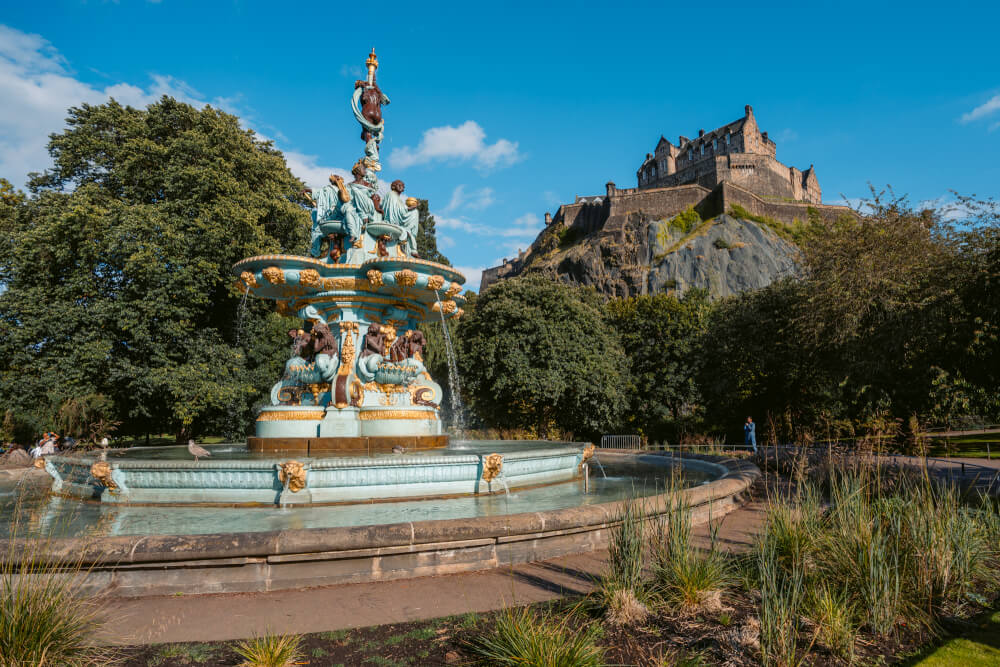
(66, 517)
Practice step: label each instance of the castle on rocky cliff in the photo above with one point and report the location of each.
(731, 168)
(736, 153)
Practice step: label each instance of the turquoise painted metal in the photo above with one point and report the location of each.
(363, 292)
(356, 374)
(311, 480)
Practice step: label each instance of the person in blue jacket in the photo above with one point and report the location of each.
(750, 434)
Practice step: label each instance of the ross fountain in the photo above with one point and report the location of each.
(355, 386)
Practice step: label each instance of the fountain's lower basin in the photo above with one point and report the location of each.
(273, 480)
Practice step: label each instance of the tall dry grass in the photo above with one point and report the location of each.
(46, 616)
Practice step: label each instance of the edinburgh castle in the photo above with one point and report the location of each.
(732, 168)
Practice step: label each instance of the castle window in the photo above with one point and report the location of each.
(727, 139)
(715, 144)
(690, 154)
(703, 149)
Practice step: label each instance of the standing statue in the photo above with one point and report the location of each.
(366, 103)
(405, 214)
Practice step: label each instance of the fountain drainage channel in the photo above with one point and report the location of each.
(138, 549)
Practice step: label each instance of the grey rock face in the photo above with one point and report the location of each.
(635, 255)
(725, 256)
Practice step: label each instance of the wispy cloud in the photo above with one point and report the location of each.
(473, 276)
(467, 142)
(787, 135)
(352, 71)
(475, 200)
(985, 109)
(37, 86)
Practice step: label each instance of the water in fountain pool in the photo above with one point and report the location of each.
(68, 517)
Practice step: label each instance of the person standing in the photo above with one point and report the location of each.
(750, 434)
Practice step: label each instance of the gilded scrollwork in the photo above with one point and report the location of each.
(397, 414)
(101, 471)
(435, 282)
(310, 278)
(406, 278)
(375, 278)
(273, 275)
(492, 467)
(454, 289)
(249, 279)
(292, 474)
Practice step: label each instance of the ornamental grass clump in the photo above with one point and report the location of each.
(888, 553)
(270, 650)
(683, 577)
(523, 637)
(46, 617)
(621, 593)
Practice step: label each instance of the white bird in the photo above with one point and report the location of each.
(197, 451)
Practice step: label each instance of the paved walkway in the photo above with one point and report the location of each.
(235, 616)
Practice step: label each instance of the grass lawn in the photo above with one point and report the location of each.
(980, 647)
(968, 446)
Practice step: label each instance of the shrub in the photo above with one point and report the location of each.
(685, 221)
(523, 637)
(722, 244)
(270, 650)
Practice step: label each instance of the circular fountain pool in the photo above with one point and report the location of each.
(136, 549)
(67, 516)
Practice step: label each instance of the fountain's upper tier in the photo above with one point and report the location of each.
(415, 289)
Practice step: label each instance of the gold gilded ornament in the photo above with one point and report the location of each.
(273, 275)
(289, 415)
(310, 278)
(453, 290)
(101, 471)
(375, 278)
(248, 279)
(373, 415)
(406, 278)
(293, 475)
(492, 467)
(435, 282)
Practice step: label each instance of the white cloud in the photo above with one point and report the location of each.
(462, 143)
(37, 88)
(473, 276)
(309, 172)
(983, 110)
(551, 198)
(475, 200)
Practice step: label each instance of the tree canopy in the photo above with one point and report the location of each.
(117, 268)
(539, 355)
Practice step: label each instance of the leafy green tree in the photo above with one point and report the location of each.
(427, 236)
(118, 268)
(538, 354)
(661, 334)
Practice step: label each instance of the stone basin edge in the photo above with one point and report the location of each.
(736, 477)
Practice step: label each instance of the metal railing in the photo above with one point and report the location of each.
(623, 442)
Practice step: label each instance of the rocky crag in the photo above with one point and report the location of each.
(635, 254)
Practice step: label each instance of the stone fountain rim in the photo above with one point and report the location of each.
(454, 274)
(736, 476)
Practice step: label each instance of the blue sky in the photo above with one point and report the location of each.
(501, 111)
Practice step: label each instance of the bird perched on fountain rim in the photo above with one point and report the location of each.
(197, 451)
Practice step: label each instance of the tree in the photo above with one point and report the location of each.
(660, 335)
(427, 236)
(539, 355)
(118, 268)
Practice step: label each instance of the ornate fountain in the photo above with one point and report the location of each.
(356, 381)
(355, 414)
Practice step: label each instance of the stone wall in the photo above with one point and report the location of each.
(728, 194)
